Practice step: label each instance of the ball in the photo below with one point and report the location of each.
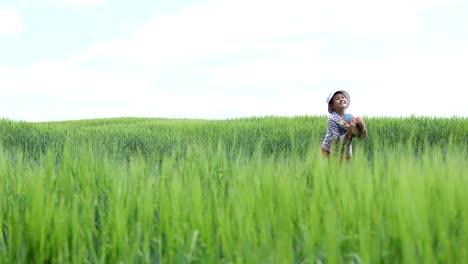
(347, 119)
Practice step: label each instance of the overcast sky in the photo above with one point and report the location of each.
(220, 59)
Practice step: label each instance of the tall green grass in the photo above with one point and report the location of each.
(157, 137)
(208, 208)
(252, 191)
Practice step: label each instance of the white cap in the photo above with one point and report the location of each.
(330, 96)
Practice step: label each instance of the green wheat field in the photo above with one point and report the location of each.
(247, 190)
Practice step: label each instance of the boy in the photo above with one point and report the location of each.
(338, 139)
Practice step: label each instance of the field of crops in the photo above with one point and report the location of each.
(251, 190)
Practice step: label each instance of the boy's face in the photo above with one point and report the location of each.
(339, 102)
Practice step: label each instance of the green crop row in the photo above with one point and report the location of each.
(211, 207)
(150, 136)
(251, 190)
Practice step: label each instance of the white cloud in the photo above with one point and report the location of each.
(422, 85)
(232, 28)
(80, 2)
(73, 3)
(269, 62)
(10, 22)
(54, 90)
(402, 86)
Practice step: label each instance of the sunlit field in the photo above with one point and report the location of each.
(253, 190)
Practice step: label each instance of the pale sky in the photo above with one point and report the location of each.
(222, 59)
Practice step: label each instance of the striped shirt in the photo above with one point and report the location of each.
(335, 134)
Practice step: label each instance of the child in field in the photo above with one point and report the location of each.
(340, 134)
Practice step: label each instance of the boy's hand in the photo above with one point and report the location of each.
(360, 122)
(350, 127)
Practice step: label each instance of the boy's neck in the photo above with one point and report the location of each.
(341, 113)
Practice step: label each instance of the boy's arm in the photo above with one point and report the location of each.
(333, 131)
(346, 139)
